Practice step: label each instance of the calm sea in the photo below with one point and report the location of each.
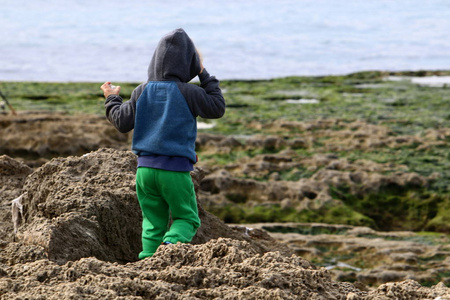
(99, 40)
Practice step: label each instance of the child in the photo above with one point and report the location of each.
(163, 114)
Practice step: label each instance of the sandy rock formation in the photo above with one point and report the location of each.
(219, 269)
(82, 218)
(86, 206)
(222, 268)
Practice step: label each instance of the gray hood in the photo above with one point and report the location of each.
(175, 58)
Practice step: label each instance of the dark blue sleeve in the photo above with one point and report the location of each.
(121, 114)
(205, 100)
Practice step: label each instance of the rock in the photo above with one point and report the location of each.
(374, 277)
(86, 206)
(363, 254)
(408, 257)
(408, 289)
(222, 268)
(34, 134)
(18, 253)
(205, 140)
(223, 182)
(299, 143)
(268, 143)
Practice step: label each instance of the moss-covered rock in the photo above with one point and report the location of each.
(360, 126)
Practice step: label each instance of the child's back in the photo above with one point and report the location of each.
(162, 112)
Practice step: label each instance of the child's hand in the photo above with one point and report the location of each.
(109, 89)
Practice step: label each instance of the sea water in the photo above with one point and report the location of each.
(99, 40)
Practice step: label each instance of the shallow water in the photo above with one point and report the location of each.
(114, 40)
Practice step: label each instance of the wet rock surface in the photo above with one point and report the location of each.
(302, 173)
(361, 254)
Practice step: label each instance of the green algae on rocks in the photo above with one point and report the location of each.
(277, 132)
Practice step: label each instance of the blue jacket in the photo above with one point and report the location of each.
(164, 124)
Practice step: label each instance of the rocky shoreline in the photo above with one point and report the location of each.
(79, 238)
(343, 197)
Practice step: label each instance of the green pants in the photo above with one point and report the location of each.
(163, 193)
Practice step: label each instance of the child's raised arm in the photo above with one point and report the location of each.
(121, 114)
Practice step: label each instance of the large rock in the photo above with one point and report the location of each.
(86, 206)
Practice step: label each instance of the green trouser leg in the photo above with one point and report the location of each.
(160, 193)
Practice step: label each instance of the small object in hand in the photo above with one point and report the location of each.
(112, 86)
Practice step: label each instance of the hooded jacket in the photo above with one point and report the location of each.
(163, 110)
